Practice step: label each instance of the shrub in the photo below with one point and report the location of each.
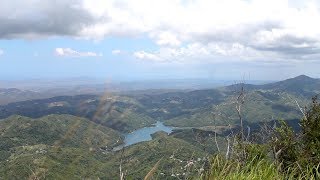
(284, 145)
(310, 126)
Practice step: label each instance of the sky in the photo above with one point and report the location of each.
(159, 39)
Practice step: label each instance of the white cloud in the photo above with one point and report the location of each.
(271, 29)
(148, 56)
(165, 38)
(1, 52)
(68, 52)
(212, 52)
(281, 29)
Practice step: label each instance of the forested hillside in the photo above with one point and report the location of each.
(74, 136)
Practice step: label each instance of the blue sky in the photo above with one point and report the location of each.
(29, 59)
(168, 39)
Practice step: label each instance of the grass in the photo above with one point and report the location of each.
(222, 169)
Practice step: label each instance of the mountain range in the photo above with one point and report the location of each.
(73, 136)
(129, 111)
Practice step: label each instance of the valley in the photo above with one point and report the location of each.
(91, 135)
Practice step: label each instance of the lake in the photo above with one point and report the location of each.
(143, 134)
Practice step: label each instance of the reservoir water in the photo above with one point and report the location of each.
(143, 134)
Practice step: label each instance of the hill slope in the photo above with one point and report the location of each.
(69, 147)
(118, 112)
(55, 130)
(301, 86)
(184, 109)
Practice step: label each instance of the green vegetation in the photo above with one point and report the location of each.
(294, 156)
(54, 146)
(199, 108)
(178, 158)
(201, 139)
(260, 106)
(222, 169)
(232, 170)
(118, 112)
(47, 162)
(78, 143)
(55, 130)
(65, 146)
(121, 113)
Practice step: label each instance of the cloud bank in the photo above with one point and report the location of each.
(183, 30)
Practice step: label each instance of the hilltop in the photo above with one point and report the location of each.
(301, 85)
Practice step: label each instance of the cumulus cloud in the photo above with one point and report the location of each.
(68, 52)
(42, 18)
(212, 52)
(280, 29)
(165, 38)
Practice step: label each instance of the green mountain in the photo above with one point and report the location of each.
(71, 137)
(301, 86)
(118, 112)
(199, 108)
(69, 147)
(174, 154)
(55, 130)
(262, 103)
(30, 147)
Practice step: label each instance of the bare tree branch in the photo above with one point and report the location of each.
(228, 148)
